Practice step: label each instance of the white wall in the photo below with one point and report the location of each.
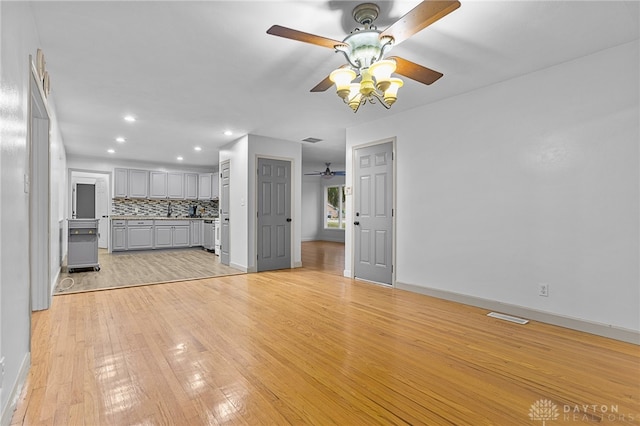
(237, 153)
(19, 40)
(533, 180)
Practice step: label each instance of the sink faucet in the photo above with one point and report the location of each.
(169, 209)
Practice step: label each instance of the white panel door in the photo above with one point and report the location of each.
(274, 214)
(373, 215)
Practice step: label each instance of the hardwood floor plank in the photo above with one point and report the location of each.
(309, 347)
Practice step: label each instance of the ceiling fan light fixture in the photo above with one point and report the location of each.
(382, 71)
(355, 97)
(342, 77)
(391, 93)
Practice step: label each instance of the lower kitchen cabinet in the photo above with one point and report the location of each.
(139, 234)
(172, 234)
(196, 233)
(118, 235)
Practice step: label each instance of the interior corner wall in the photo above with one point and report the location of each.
(237, 152)
(19, 39)
(528, 181)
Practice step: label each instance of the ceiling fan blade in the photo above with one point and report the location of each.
(289, 33)
(323, 85)
(418, 18)
(414, 71)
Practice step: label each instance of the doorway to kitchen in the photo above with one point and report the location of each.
(90, 199)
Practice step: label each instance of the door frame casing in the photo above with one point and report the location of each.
(351, 207)
(111, 183)
(41, 214)
(292, 162)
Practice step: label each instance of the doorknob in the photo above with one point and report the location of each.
(288, 219)
(226, 219)
(356, 223)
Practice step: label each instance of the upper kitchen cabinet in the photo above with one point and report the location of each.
(130, 183)
(166, 185)
(120, 183)
(208, 186)
(138, 183)
(157, 184)
(191, 186)
(175, 185)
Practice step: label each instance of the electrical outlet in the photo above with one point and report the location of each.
(543, 290)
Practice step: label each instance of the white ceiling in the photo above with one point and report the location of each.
(190, 70)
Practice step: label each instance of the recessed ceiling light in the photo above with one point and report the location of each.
(197, 148)
(129, 118)
(179, 158)
(111, 151)
(120, 139)
(228, 132)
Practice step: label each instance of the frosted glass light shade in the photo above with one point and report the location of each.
(391, 94)
(342, 77)
(382, 70)
(354, 96)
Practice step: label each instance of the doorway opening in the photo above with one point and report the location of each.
(90, 199)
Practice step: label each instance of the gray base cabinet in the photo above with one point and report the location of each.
(155, 234)
(196, 233)
(172, 234)
(118, 235)
(139, 234)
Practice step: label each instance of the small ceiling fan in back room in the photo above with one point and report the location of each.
(327, 173)
(365, 49)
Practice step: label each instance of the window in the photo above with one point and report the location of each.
(334, 201)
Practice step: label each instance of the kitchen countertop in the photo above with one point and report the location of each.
(117, 217)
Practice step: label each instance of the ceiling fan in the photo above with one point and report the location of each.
(365, 49)
(327, 173)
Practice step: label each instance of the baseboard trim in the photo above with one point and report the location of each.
(239, 267)
(604, 330)
(297, 264)
(347, 273)
(16, 390)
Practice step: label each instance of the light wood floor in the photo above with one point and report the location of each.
(123, 269)
(308, 347)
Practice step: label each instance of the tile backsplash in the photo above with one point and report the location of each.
(127, 207)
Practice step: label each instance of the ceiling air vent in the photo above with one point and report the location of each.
(311, 140)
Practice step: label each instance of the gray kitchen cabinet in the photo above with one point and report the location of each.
(175, 185)
(191, 186)
(196, 233)
(157, 184)
(120, 183)
(118, 235)
(172, 233)
(181, 236)
(163, 235)
(204, 186)
(138, 183)
(139, 234)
